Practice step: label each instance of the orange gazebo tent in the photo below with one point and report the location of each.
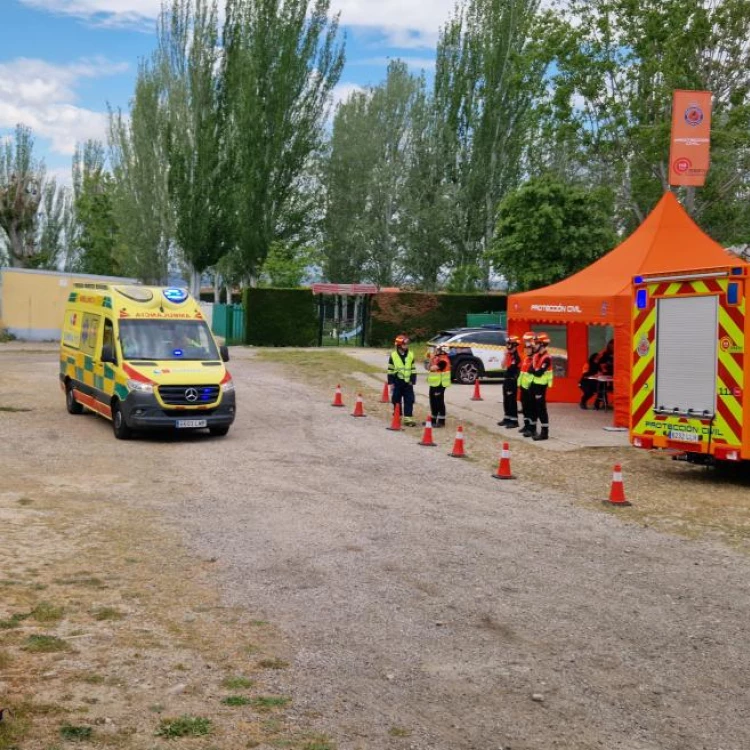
(667, 241)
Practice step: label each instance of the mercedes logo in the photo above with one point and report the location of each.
(191, 395)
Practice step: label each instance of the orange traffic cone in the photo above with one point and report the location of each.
(396, 423)
(427, 436)
(385, 397)
(477, 393)
(458, 445)
(503, 469)
(617, 490)
(359, 407)
(338, 399)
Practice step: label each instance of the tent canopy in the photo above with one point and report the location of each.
(667, 241)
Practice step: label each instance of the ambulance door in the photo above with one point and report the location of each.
(105, 371)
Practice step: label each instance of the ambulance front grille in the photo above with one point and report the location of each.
(188, 395)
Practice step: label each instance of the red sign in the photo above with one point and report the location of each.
(689, 155)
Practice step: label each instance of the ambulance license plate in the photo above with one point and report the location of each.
(684, 437)
(191, 423)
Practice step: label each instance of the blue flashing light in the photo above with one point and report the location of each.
(641, 299)
(733, 293)
(638, 279)
(737, 272)
(177, 352)
(176, 295)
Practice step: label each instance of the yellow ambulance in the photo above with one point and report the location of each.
(144, 358)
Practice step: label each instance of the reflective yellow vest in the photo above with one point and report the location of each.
(525, 379)
(402, 369)
(547, 378)
(439, 378)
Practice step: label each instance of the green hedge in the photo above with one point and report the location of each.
(421, 315)
(280, 317)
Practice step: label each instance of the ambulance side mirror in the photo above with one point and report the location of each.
(224, 351)
(108, 354)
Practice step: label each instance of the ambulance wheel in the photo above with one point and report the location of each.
(218, 431)
(70, 400)
(467, 371)
(119, 425)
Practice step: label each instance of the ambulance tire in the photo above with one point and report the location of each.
(119, 426)
(70, 400)
(219, 431)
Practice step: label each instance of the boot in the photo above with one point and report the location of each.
(543, 435)
(530, 431)
(526, 426)
(511, 424)
(439, 423)
(503, 422)
(584, 405)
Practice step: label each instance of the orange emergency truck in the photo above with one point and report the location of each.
(689, 364)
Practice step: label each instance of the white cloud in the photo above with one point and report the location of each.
(343, 91)
(42, 96)
(392, 16)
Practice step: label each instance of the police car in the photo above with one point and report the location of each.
(473, 352)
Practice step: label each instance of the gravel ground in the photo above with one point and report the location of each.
(426, 605)
(423, 598)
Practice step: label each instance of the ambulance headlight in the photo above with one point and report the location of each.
(228, 386)
(139, 386)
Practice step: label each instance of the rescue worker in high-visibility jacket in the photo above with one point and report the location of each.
(510, 383)
(438, 378)
(541, 369)
(402, 376)
(524, 382)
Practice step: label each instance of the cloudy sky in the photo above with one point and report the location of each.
(63, 61)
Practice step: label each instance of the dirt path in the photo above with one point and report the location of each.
(425, 605)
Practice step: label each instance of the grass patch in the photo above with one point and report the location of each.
(89, 581)
(184, 726)
(267, 702)
(324, 362)
(237, 683)
(13, 621)
(399, 732)
(13, 409)
(273, 664)
(45, 644)
(46, 612)
(108, 613)
(319, 743)
(93, 679)
(236, 700)
(5, 659)
(74, 733)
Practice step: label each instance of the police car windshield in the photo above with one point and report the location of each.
(166, 340)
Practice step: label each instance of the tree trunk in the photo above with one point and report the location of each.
(217, 289)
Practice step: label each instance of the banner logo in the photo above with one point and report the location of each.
(694, 116)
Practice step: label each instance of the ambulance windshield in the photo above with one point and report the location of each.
(166, 339)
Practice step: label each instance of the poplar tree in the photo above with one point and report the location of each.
(281, 61)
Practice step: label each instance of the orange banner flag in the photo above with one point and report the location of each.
(690, 153)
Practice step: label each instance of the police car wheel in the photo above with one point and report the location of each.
(70, 400)
(119, 426)
(467, 372)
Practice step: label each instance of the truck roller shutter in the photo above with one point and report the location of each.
(686, 355)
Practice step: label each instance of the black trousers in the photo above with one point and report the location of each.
(539, 392)
(589, 389)
(437, 403)
(403, 394)
(527, 406)
(510, 398)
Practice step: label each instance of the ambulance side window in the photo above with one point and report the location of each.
(109, 336)
(89, 333)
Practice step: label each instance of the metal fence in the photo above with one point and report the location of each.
(229, 323)
(475, 320)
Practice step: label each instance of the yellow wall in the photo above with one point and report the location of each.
(32, 303)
